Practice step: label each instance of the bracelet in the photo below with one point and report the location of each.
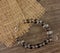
(46, 27)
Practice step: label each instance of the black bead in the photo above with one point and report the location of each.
(35, 21)
(49, 39)
(26, 45)
(23, 44)
(45, 42)
(30, 47)
(27, 20)
(38, 45)
(42, 23)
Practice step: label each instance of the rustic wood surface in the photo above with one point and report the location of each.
(52, 17)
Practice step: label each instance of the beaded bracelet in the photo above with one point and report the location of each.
(46, 41)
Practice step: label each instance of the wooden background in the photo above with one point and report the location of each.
(36, 34)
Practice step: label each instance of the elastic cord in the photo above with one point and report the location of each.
(45, 26)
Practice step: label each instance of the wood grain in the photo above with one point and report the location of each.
(12, 16)
(52, 17)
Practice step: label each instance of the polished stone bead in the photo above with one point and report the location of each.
(50, 39)
(40, 45)
(49, 32)
(26, 46)
(45, 42)
(40, 21)
(36, 46)
(45, 26)
(23, 43)
(29, 46)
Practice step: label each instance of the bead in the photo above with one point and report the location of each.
(40, 21)
(49, 32)
(29, 46)
(35, 21)
(27, 20)
(48, 29)
(36, 46)
(26, 46)
(40, 44)
(32, 21)
(33, 46)
(23, 44)
(19, 42)
(45, 26)
(22, 41)
(43, 43)
(50, 39)
(47, 41)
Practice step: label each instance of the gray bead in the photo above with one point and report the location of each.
(43, 43)
(49, 32)
(36, 46)
(22, 41)
(18, 42)
(47, 41)
(40, 45)
(40, 21)
(25, 46)
(29, 46)
(50, 39)
(37, 21)
(45, 26)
